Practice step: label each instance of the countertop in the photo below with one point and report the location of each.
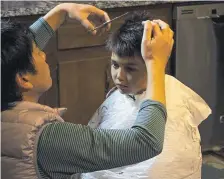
(25, 8)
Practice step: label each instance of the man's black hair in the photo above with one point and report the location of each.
(16, 58)
(126, 41)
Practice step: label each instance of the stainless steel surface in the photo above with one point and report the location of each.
(194, 12)
(212, 167)
(200, 63)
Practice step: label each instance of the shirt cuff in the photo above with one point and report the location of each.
(42, 32)
(148, 102)
(146, 111)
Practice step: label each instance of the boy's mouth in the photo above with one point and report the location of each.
(123, 88)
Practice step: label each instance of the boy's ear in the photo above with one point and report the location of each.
(23, 82)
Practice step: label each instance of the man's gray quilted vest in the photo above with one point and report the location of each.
(21, 127)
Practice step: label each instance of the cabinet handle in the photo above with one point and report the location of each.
(221, 119)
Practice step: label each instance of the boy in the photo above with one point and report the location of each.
(181, 155)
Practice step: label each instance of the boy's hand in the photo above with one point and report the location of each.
(156, 49)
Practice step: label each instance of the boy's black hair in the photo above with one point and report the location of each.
(126, 41)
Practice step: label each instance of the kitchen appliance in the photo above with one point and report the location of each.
(199, 63)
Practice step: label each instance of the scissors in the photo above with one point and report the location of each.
(105, 23)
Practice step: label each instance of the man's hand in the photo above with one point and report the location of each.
(156, 49)
(81, 12)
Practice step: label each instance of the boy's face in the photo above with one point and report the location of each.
(128, 73)
(41, 81)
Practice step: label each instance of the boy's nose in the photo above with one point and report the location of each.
(121, 74)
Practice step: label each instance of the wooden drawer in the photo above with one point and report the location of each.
(73, 35)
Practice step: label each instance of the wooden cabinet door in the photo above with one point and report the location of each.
(51, 97)
(82, 82)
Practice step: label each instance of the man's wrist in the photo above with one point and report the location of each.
(64, 7)
(41, 32)
(56, 17)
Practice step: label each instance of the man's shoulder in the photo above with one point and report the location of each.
(24, 111)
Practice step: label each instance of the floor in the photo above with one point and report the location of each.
(213, 167)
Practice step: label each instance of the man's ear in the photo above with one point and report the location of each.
(23, 82)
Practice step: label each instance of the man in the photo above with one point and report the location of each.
(36, 142)
(181, 155)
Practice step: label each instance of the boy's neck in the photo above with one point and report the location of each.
(31, 97)
(138, 96)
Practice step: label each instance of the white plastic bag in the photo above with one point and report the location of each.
(181, 155)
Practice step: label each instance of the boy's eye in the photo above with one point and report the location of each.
(130, 69)
(115, 65)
